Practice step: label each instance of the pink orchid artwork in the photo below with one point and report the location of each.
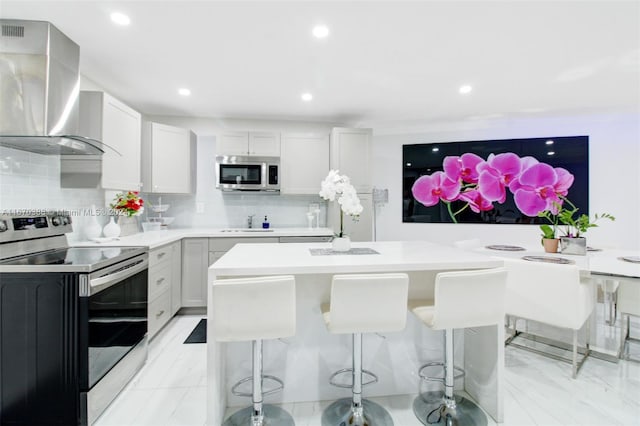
(536, 187)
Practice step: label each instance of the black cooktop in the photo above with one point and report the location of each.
(80, 259)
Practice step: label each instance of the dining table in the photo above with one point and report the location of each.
(604, 266)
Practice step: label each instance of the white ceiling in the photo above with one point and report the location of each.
(382, 62)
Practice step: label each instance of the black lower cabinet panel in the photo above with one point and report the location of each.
(39, 383)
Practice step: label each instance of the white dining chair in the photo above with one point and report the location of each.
(552, 294)
(628, 305)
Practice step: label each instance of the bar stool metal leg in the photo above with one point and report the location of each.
(431, 408)
(259, 414)
(256, 416)
(356, 411)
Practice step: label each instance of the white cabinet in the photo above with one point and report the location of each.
(304, 162)
(264, 144)
(351, 155)
(168, 159)
(360, 230)
(108, 120)
(195, 263)
(164, 279)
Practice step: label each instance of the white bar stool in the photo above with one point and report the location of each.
(363, 303)
(255, 309)
(461, 299)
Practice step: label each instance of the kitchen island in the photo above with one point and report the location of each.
(306, 360)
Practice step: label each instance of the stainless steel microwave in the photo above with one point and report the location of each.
(245, 173)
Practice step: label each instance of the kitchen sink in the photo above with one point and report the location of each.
(246, 230)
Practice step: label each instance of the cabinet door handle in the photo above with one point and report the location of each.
(159, 314)
(158, 282)
(161, 254)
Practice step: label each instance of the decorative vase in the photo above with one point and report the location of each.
(92, 229)
(573, 245)
(341, 244)
(111, 229)
(128, 225)
(550, 245)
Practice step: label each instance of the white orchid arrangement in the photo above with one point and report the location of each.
(336, 185)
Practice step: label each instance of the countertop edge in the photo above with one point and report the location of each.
(155, 239)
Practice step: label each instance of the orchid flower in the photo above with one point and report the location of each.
(462, 168)
(536, 189)
(339, 186)
(430, 189)
(476, 201)
(496, 174)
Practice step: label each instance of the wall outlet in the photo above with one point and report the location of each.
(199, 207)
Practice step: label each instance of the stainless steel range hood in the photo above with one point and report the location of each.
(40, 86)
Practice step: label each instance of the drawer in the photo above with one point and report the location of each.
(159, 255)
(159, 312)
(159, 279)
(224, 244)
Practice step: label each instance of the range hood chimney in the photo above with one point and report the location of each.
(40, 86)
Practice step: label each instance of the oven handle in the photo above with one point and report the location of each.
(98, 284)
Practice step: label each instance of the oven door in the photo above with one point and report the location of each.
(113, 316)
(113, 332)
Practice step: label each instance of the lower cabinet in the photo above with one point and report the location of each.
(195, 262)
(164, 283)
(197, 255)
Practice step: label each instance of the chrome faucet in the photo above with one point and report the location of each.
(250, 221)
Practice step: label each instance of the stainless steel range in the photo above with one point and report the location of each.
(73, 322)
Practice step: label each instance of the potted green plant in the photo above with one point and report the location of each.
(550, 239)
(573, 241)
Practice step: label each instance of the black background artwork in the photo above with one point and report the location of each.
(569, 152)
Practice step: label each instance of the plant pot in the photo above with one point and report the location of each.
(570, 245)
(550, 245)
(128, 225)
(341, 244)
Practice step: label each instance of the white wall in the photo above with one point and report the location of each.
(614, 185)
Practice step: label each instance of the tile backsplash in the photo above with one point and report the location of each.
(30, 181)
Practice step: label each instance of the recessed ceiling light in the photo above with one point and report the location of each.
(184, 92)
(436, 149)
(320, 31)
(549, 142)
(307, 97)
(120, 18)
(465, 89)
(551, 153)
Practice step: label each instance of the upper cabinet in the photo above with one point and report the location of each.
(168, 159)
(351, 155)
(304, 162)
(264, 144)
(106, 119)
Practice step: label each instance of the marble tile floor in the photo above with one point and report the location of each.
(171, 389)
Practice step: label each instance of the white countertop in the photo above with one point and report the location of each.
(270, 259)
(156, 239)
